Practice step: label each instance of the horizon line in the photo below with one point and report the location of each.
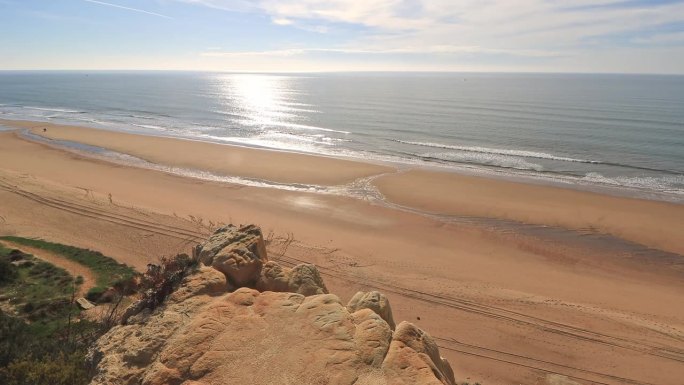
(350, 71)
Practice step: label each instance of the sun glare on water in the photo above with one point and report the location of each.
(270, 105)
(259, 99)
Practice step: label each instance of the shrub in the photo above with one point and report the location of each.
(29, 356)
(8, 272)
(28, 307)
(95, 293)
(159, 281)
(16, 255)
(64, 369)
(16, 338)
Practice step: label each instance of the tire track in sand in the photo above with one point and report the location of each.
(451, 302)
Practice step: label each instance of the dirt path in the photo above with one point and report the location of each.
(75, 269)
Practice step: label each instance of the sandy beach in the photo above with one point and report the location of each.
(650, 223)
(275, 166)
(583, 302)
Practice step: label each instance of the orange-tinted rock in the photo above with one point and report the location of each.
(293, 333)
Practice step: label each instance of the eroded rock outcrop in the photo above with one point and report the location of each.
(374, 301)
(237, 252)
(280, 326)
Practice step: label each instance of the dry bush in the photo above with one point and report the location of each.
(160, 280)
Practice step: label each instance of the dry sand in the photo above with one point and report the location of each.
(505, 307)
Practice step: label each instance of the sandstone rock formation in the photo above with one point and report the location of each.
(239, 253)
(280, 327)
(375, 301)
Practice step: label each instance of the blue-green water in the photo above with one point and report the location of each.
(622, 131)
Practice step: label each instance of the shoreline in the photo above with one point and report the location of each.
(649, 223)
(547, 178)
(503, 291)
(224, 159)
(371, 191)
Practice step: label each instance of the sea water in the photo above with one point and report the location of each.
(616, 131)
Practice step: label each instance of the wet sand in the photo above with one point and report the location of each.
(651, 223)
(276, 166)
(505, 307)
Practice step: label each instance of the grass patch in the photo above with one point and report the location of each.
(39, 291)
(108, 272)
(42, 340)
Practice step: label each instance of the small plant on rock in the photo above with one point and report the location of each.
(159, 281)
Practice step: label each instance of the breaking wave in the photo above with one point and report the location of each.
(500, 151)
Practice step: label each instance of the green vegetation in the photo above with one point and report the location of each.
(61, 369)
(54, 359)
(107, 271)
(43, 342)
(7, 271)
(40, 291)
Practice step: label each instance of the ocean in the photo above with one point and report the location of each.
(624, 133)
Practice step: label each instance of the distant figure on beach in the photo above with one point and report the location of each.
(44, 129)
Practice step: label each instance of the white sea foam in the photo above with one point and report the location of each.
(295, 138)
(63, 110)
(667, 183)
(149, 126)
(447, 130)
(142, 117)
(489, 159)
(284, 142)
(500, 151)
(274, 123)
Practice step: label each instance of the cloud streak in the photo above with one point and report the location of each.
(128, 8)
(556, 35)
(444, 49)
(517, 25)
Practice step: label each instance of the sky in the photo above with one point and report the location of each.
(602, 36)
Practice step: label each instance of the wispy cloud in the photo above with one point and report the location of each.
(606, 35)
(443, 49)
(518, 25)
(662, 38)
(226, 5)
(615, 4)
(128, 8)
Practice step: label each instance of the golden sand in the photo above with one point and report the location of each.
(505, 307)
